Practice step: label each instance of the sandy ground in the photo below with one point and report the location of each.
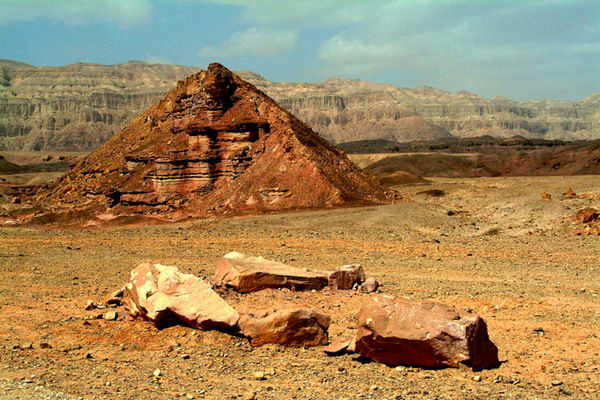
(505, 253)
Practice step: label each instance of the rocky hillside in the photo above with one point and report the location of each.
(215, 144)
(343, 110)
(80, 106)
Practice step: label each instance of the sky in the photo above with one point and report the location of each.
(518, 49)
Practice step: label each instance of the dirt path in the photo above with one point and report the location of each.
(505, 253)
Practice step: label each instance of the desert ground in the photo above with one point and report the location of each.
(490, 245)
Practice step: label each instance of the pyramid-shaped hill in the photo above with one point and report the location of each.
(215, 144)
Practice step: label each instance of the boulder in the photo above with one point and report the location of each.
(344, 278)
(164, 295)
(397, 331)
(251, 274)
(298, 327)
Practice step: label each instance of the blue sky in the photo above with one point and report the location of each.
(519, 49)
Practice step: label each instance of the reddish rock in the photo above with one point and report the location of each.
(215, 144)
(587, 215)
(397, 331)
(164, 295)
(251, 274)
(299, 327)
(570, 193)
(344, 278)
(546, 196)
(369, 286)
(337, 347)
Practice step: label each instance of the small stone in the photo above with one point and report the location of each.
(556, 382)
(369, 286)
(156, 372)
(44, 345)
(185, 356)
(477, 378)
(91, 304)
(373, 388)
(260, 376)
(189, 396)
(26, 346)
(111, 316)
(249, 396)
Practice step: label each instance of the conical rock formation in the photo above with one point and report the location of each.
(215, 144)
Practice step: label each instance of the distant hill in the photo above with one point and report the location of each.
(80, 106)
(6, 167)
(492, 157)
(13, 64)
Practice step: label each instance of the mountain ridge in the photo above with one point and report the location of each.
(81, 105)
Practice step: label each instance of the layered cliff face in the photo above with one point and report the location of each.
(215, 144)
(344, 110)
(78, 106)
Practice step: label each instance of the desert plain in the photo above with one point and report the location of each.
(489, 245)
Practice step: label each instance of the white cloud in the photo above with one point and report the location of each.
(479, 46)
(254, 41)
(76, 12)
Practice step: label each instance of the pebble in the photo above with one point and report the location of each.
(249, 396)
(156, 372)
(260, 376)
(556, 382)
(111, 316)
(477, 378)
(91, 304)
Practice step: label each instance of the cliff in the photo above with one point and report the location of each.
(343, 110)
(79, 106)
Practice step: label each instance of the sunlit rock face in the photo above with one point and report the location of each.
(217, 144)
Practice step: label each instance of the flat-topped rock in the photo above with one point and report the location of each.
(298, 327)
(398, 331)
(164, 295)
(250, 274)
(345, 277)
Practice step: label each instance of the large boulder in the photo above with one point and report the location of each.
(251, 274)
(298, 327)
(164, 295)
(344, 277)
(398, 331)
